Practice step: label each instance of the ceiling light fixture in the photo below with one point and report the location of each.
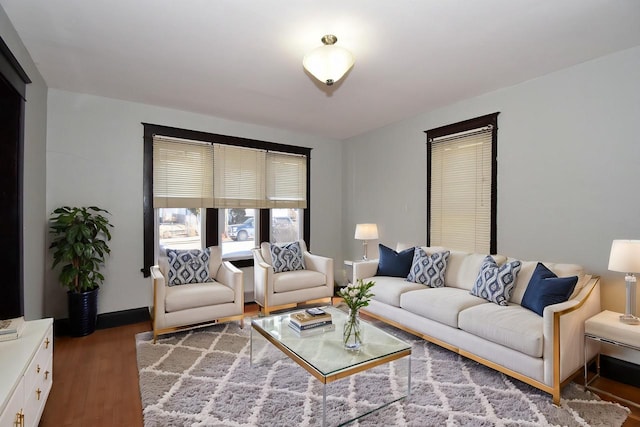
(328, 63)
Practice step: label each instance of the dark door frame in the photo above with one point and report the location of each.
(13, 82)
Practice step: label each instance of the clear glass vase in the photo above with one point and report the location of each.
(352, 334)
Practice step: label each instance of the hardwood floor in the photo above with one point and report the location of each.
(95, 381)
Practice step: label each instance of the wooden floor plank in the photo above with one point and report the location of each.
(95, 380)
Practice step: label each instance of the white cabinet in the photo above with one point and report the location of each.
(26, 376)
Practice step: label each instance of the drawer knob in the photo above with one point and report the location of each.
(19, 421)
(38, 368)
(46, 375)
(38, 391)
(46, 343)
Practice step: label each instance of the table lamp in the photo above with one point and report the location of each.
(625, 258)
(366, 232)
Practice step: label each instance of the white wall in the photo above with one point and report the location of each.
(34, 184)
(94, 157)
(568, 158)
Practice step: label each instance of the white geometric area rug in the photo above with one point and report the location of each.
(203, 378)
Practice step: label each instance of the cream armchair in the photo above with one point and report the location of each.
(194, 305)
(277, 291)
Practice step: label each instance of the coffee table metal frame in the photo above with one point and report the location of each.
(310, 352)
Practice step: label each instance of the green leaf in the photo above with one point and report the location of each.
(79, 245)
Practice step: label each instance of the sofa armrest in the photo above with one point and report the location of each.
(232, 277)
(320, 264)
(563, 332)
(364, 269)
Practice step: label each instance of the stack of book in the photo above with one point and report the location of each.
(311, 322)
(11, 329)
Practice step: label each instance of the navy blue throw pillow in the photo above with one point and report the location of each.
(545, 288)
(394, 264)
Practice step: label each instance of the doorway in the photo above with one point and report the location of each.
(13, 82)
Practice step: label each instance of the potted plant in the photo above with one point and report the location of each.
(79, 245)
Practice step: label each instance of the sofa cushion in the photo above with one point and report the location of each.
(299, 279)
(545, 288)
(463, 267)
(392, 263)
(495, 283)
(428, 269)
(287, 257)
(195, 295)
(188, 266)
(560, 270)
(389, 289)
(511, 326)
(440, 304)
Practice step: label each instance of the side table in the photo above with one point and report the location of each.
(348, 265)
(605, 327)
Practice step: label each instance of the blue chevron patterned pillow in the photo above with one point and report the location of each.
(495, 283)
(188, 266)
(287, 257)
(428, 269)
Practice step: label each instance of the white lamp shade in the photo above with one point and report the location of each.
(625, 256)
(328, 63)
(366, 231)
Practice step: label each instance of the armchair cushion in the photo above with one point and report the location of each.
(195, 295)
(188, 266)
(296, 280)
(287, 257)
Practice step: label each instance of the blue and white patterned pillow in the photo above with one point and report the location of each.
(188, 266)
(428, 269)
(287, 257)
(495, 283)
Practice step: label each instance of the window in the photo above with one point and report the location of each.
(238, 232)
(286, 225)
(198, 185)
(461, 185)
(180, 228)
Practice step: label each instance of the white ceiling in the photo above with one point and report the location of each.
(242, 59)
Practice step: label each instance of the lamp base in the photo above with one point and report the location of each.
(629, 319)
(629, 316)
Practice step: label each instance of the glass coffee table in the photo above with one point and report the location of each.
(323, 355)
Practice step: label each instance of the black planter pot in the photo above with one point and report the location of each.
(83, 312)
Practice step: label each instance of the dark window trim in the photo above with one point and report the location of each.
(489, 119)
(12, 72)
(212, 231)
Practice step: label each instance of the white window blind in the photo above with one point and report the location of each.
(239, 177)
(461, 191)
(188, 174)
(286, 181)
(182, 174)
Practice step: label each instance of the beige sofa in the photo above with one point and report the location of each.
(543, 351)
(193, 305)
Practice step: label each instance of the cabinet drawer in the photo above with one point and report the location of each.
(14, 408)
(36, 398)
(38, 365)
